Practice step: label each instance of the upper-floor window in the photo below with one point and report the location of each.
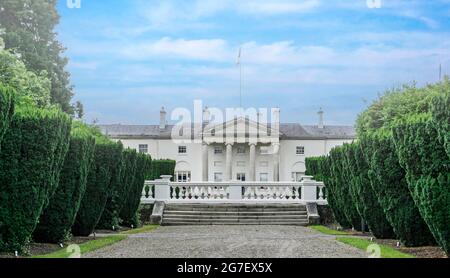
(213, 132)
(218, 150)
(182, 149)
(241, 150)
(264, 177)
(300, 150)
(143, 148)
(217, 177)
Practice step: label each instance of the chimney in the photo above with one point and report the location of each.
(321, 126)
(162, 119)
(206, 115)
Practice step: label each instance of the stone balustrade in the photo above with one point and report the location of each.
(305, 191)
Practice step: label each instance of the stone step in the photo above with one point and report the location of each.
(243, 213)
(191, 223)
(233, 220)
(234, 217)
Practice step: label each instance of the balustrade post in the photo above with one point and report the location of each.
(309, 190)
(235, 191)
(162, 188)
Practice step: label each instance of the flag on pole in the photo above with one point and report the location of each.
(239, 57)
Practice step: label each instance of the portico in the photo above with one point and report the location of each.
(240, 150)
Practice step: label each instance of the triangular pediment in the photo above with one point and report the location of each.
(241, 128)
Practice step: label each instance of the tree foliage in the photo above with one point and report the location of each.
(29, 30)
(29, 86)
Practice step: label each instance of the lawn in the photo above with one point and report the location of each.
(144, 229)
(385, 251)
(328, 231)
(83, 248)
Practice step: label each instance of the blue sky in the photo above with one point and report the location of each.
(129, 58)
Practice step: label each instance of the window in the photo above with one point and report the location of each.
(300, 150)
(264, 164)
(241, 150)
(217, 177)
(183, 176)
(264, 150)
(143, 148)
(213, 132)
(264, 177)
(218, 150)
(217, 163)
(240, 176)
(182, 149)
(297, 176)
(240, 164)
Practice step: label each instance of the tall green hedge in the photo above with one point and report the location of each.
(111, 215)
(323, 170)
(342, 187)
(57, 219)
(102, 174)
(161, 167)
(363, 195)
(389, 184)
(32, 148)
(441, 118)
(427, 167)
(131, 206)
(6, 109)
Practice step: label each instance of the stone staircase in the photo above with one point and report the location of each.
(235, 214)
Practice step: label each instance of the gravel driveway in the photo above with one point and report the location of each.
(228, 242)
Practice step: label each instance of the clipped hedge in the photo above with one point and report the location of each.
(128, 214)
(161, 167)
(6, 109)
(107, 157)
(57, 219)
(342, 187)
(389, 184)
(313, 168)
(441, 119)
(363, 195)
(427, 167)
(111, 215)
(32, 148)
(324, 170)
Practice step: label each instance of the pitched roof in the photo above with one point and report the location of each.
(288, 131)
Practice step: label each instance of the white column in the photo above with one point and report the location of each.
(205, 161)
(276, 161)
(229, 162)
(252, 171)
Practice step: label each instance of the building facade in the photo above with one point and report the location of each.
(235, 150)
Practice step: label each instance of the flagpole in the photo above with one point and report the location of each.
(240, 85)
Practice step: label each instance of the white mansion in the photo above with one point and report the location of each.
(255, 152)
